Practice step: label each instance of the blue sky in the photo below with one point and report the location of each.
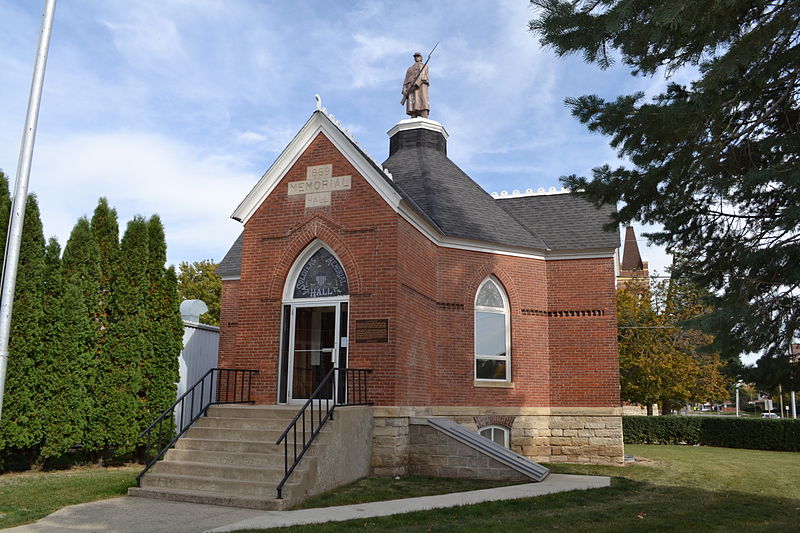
(177, 107)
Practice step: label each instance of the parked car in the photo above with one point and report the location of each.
(769, 415)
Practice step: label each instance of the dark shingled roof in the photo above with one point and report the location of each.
(564, 220)
(231, 264)
(459, 206)
(456, 206)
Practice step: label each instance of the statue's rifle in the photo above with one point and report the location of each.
(405, 92)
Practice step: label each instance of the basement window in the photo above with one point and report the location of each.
(496, 434)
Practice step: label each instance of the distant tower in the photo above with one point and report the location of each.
(632, 269)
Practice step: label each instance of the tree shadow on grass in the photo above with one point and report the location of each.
(626, 506)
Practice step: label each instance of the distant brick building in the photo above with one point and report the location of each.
(496, 312)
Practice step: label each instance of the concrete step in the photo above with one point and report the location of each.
(210, 498)
(230, 458)
(266, 436)
(257, 489)
(269, 424)
(285, 412)
(251, 435)
(262, 474)
(223, 445)
(273, 457)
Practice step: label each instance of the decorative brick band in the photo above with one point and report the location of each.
(446, 306)
(450, 306)
(564, 314)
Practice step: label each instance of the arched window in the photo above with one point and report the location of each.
(496, 434)
(321, 276)
(492, 333)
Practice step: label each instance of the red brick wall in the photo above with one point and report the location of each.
(585, 363)
(361, 230)
(427, 294)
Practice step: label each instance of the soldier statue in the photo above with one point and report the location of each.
(415, 89)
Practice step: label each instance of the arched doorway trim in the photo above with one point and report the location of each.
(313, 323)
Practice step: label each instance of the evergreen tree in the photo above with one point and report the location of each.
(164, 328)
(128, 346)
(81, 309)
(200, 281)
(21, 425)
(715, 162)
(64, 396)
(105, 232)
(5, 211)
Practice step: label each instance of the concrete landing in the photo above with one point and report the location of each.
(131, 515)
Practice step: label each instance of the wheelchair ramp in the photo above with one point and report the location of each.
(513, 460)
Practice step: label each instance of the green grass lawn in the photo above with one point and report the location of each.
(375, 489)
(28, 496)
(670, 488)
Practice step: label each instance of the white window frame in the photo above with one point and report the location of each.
(294, 303)
(505, 312)
(294, 272)
(504, 430)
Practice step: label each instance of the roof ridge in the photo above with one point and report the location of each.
(324, 111)
(502, 195)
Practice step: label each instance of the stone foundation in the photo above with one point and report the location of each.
(435, 454)
(589, 435)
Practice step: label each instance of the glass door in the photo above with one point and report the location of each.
(314, 348)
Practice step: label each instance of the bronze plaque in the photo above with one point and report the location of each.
(373, 330)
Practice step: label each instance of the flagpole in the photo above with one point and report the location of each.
(21, 192)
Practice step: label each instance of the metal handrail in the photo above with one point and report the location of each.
(360, 391)
(224, 394)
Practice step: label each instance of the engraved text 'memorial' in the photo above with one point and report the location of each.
(318, 185)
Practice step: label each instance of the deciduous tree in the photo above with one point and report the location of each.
(660, 359)
(199, 281)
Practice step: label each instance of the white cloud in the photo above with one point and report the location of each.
(252, 137)
(141, 173)
(367, 65)
(148, 40)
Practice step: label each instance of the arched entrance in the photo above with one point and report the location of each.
(314, 323)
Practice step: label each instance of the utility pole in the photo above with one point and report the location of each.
(21, 191)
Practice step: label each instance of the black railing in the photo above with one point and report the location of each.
(349, 389)
(217, 386)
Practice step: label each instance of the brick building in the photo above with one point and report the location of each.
(497, 312)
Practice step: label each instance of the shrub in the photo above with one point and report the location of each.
(758, 434)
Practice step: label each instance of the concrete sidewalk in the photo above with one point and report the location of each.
(146, 515)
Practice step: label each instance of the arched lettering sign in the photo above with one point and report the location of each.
(321, 276)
